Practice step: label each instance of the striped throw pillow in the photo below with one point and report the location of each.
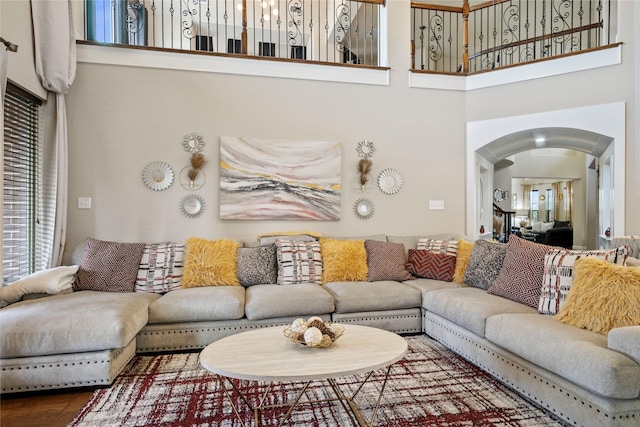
(559, 270)
(298, 262)
(448, 247)
(160, 268)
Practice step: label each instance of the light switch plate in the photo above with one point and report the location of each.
(84, 202)
(436, 205)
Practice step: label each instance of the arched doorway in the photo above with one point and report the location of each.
(597, 130)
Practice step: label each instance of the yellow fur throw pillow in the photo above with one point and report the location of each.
(462, 260)
(343, 260)
(210, 263)
(603, 296)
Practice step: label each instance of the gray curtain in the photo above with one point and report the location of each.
(526, 198)
(55, 61)
(569, 202)
(557, 202)
(4, 58)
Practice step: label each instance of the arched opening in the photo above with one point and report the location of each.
(597, 131)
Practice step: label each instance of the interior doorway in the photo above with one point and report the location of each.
(598, 131)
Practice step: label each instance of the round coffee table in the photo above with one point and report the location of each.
(266, 355)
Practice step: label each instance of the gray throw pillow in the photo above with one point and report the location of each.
(485, 263)
(258, 266)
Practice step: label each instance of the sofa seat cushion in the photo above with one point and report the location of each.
(578, 355)
(353, 297)
(301, 299)
(470, 307)
(428, 285)
(73, 323)
(199, 305)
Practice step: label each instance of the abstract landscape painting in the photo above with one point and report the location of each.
(264, 179)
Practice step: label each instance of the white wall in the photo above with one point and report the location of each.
(633, 150)
(418, 132)
(123, 117)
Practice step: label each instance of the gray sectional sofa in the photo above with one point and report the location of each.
(85, 338)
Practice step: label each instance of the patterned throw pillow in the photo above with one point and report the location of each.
(258, 266)
(462, 260)
(108, 266)
(298, 262)
(210, 263)
(160, 268)
(386, 261)
(343, 260)
(603, 296)
(559, 269)
(448, 247)
(423, 263)
(520, 278)
(485, 263)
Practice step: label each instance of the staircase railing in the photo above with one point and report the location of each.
(345, 32)
(502, 33)
(502, 223)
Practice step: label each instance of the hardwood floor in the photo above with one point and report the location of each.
(46, 409)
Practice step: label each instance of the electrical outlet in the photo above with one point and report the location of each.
(84, 202)
(436, 205)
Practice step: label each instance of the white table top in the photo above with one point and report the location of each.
(266, 355)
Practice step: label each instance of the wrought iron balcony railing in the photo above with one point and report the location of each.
(326, 31)
(501, 33)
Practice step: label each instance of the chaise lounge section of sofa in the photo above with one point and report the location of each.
(85, 338)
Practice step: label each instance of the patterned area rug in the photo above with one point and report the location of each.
(430, 386)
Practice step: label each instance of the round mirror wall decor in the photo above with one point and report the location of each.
(158, 176)
(365, 149)
(363, 208)
(193, 143)
(389, 181)
(192, 206)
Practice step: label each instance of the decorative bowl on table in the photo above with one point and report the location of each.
(313, 332)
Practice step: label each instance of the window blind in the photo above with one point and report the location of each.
(22, 186)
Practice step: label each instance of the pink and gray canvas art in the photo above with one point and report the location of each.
(263, 179)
